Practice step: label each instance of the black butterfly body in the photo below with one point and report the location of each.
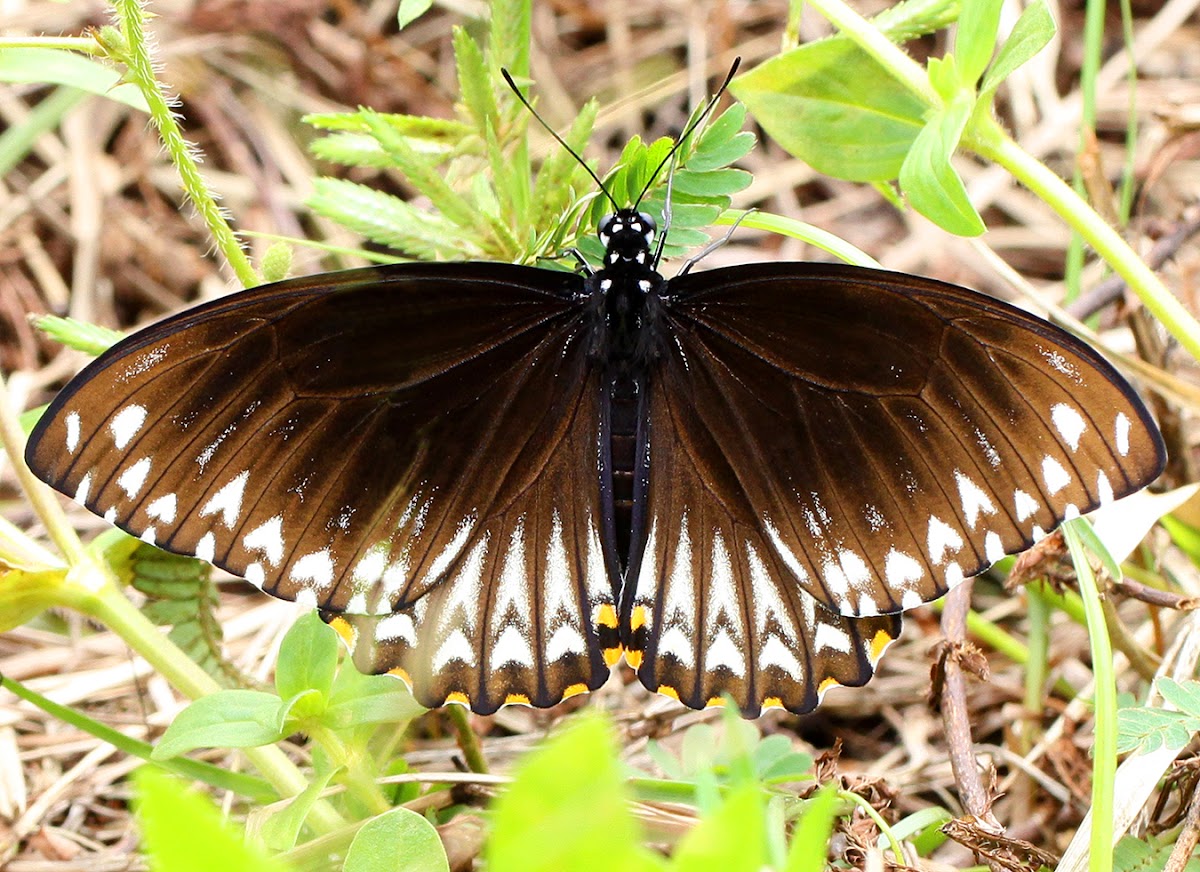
(506, 477)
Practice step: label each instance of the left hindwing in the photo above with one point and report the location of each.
(856, 439)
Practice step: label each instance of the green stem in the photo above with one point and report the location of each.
(357, 780)
(468, 741)
(997, 146)
(1104, 746)
(141, 72)
(41, 498)
(871, 40)
(81, 44)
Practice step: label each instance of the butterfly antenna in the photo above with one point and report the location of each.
(712, 104)
(558, 138)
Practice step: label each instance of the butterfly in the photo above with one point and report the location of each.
(504, 478)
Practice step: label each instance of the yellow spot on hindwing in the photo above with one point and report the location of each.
(516, 699)
(826, 684)
(714, 702)
(772, 702)
(345, 629)
(669, 691)
(402, 674)
(612, 655)
(879, 643)
(607, 616)
(457, 696)
(575, 690)
(638, 618)
(634, 658)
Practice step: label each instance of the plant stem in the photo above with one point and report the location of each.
(44, 503)
(468, 741)
(1104, 747)
(869, 38)
(141, 73)
(997, 146)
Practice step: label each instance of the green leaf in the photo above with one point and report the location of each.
(410, 10)
(79, 335)
(225, 719)
(835, 108)
(1184, 695)
(281, 831)
(810, 839)
(43, 65)
(733, 838)
(183, 832)
(929, 180)
(975, 38)
(475, 83)
(1033, 30)
(307, 658)
(390, 221)
(399, 833)
(573, 789)
(359, 699)
(720, 183)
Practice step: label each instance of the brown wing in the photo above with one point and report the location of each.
(395, 442)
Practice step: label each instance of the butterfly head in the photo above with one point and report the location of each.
(627, 236)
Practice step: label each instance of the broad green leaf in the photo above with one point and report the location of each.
(307, 658)
(225, 719)
(810, 839)
(1033, 30)
(50, 65)
(1184, 695)
(567, 810)
(79, 335)
(409, 11)
(929, 180)
(731, 839)
(397, 839)
(369, 699)
(183, 832)
(975, 38)
(835, 108)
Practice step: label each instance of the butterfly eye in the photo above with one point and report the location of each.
(648, 222)
(604, 230)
